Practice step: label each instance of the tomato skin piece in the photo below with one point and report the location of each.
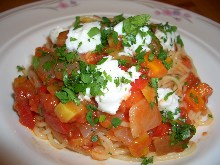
(26, 116)
(24, 90)
(187, 62)
(39, 50)
(139, 84)
(134, 98)
(56, 124)
(48, 102)
(162, 130)
(192, 81)
(184, 115)
(204, 90)
(143, 118)
(140, 145)
(162, 145)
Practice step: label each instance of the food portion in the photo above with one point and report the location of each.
(114, 87)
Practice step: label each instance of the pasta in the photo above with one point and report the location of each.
(114, 87)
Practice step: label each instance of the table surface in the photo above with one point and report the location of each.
(207, 8)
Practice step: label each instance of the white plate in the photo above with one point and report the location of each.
(25, 28)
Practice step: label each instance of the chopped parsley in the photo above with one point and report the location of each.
(179, 41)
(132, 25)
(48, 65)
(195, 98)
(89, 116)
(93, 31)
(20, 68)
(168, 95)
(147, 161)
(122, 62)
(210, 115)
(65, 56)
(102, 118)
(154, 83)
(76, 24)
(36, 62)
(181, 132)
(78, 82)
(116, 122)
(94, 138)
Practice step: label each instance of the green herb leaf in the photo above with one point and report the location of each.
(116, 122)
(20, 68)
(147, 161)
(93, 31)
(115, 37)
(94, 138)
(179, 41)
(102, 61)
(76, 24)
(102, 118)
(36, 62)
(91, 107)
(132, 25)
(154, 83)
(168, 95)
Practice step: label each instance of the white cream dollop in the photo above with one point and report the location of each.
(143, 41)
(79, 40)
(110, 101)
(171, 104)
(113, 94)
(167, 40)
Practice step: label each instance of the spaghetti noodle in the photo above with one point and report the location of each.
(93, 89)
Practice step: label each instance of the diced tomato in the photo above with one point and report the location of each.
(124, 68)
(204, 90)
(43, 89)
(187, 62)
(49, 102)
(34, 103)
(194, 101)
(184, 115)
(192, 81)
(56, 124)
(161, 130)
(26, 117)
(140, 146)
(74, 132)
(162, 145)
(40, 50)
(134, 98)
(156, 68)
(124, 135)
(143, 118)
(149, 93)
(139, 84)
(23, 92)
(61, 39)
(91, 58)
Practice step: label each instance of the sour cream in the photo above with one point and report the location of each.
(113, 94)
(143, 41)
(167, 40)
(79, 40)
(171, 104)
